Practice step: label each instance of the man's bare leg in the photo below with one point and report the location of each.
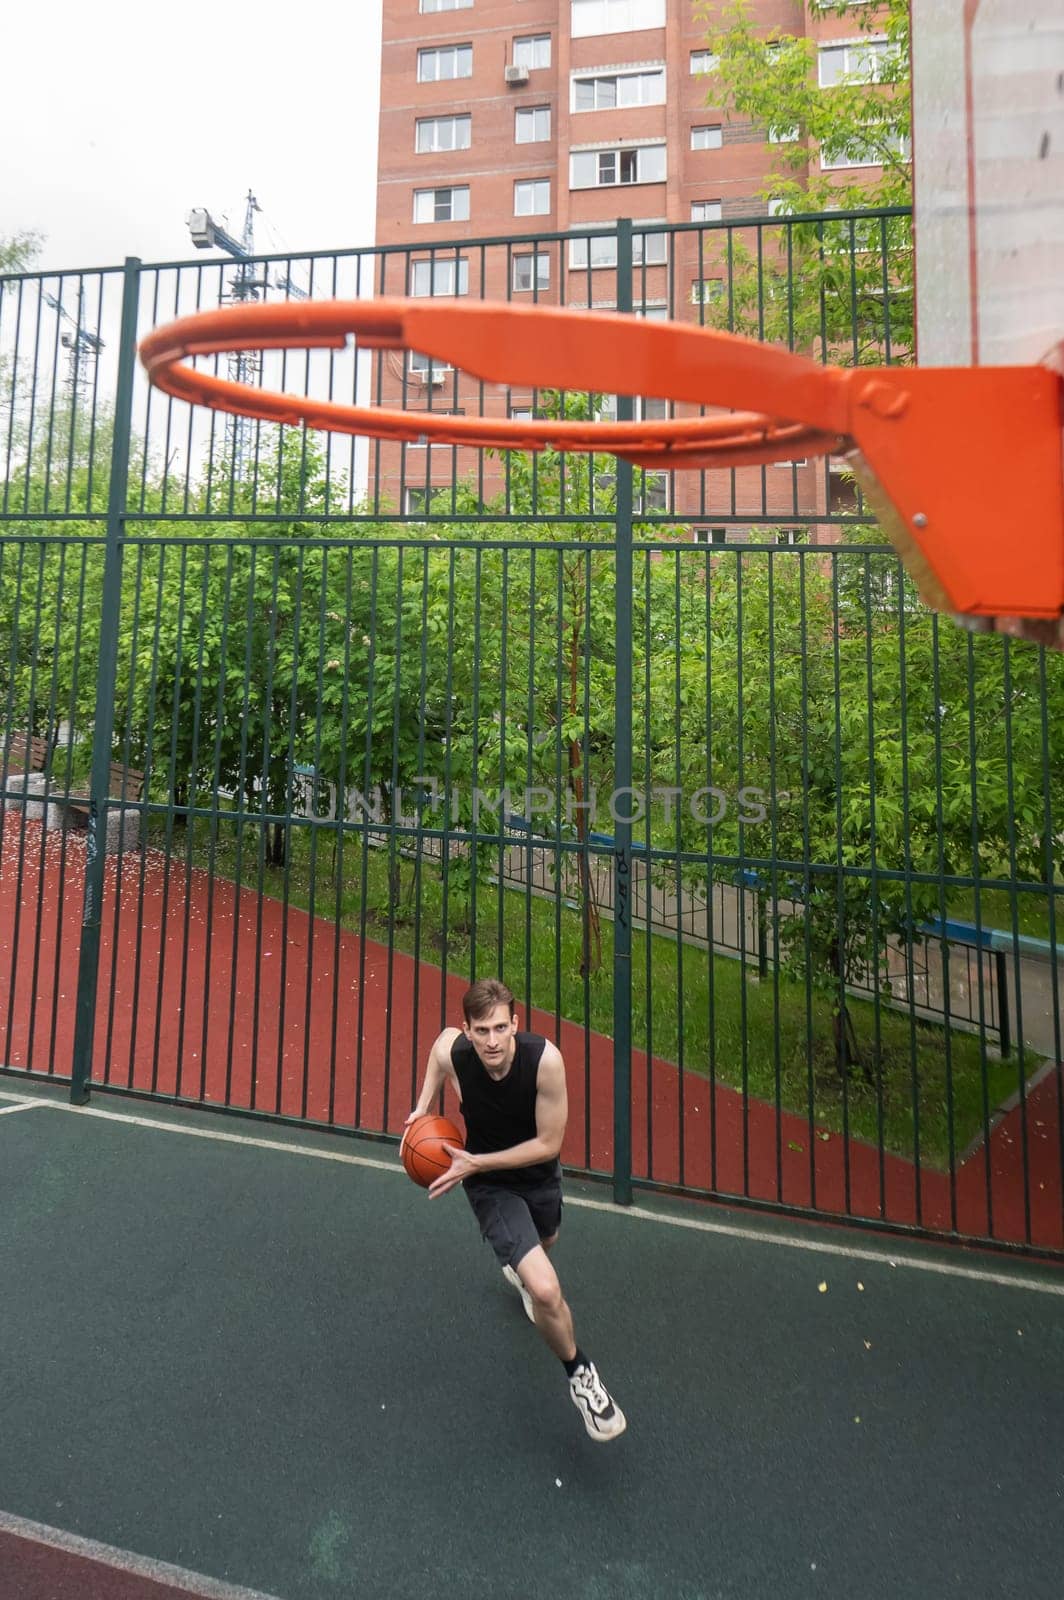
(553, 1318)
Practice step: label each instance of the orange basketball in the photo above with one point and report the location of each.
(422, 1150)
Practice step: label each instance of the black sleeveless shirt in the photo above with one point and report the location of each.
(499, 1113)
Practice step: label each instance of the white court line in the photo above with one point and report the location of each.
(727, 1230)
(192, 1583)
(30, 1105)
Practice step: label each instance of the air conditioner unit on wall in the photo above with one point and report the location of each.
(422, 376)
(517, 74)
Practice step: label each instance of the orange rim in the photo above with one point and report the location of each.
(543, 347)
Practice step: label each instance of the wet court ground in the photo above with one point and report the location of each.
(265, 1359)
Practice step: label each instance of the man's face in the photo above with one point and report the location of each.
(492, 1036)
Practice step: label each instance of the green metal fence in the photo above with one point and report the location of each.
(302, 734)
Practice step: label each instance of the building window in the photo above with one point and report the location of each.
(615, 16)
(706, 210)
(531, 272)
(532, 52)
(441, 205)
(443, 133)
(708, 137)
(655, 494)
(427, 369)
(704, 291)
(444, 277)
(703, 61)
(791, 536)
(600, 250)
(416, 502)
(608, 91)
(866, 154)
(780, 208)
(864, 61)
(447, 61)
(444, 5)
(711, 535)
(532, 197)
(521, 413)
(783, 135)
(531, 124)
(843, 496)
(603, 169)
(646, 410)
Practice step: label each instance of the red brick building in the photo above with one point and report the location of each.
(519, 119)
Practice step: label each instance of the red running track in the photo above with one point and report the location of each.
(210, 993)
(42, 1563)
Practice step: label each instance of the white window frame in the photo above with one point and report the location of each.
(537, 188)
(424, 497)
(419, 363)
(437, 54)
(652, 484)
(426, 6)
(649, 249)
(460, 122)
(707, 291)
(646, 409)
(452, 214)
(534, 112)
(538, 264)
(784, 135)
(616, 159)
(532, 51)
(617, 77)
(870, 158)
(443, 274)
(707, 210)
(703, 61)
(709, 142)
(591, 17)
(875, 49)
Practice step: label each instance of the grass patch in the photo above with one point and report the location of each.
(922, 1089)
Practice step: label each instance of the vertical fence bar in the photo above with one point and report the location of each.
(106, 672)
(622, 832)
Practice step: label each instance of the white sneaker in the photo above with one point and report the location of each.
(603, 1417)
(526, 1299)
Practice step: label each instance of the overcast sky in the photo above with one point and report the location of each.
(118, 117)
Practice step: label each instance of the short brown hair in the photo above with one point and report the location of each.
(480, 1000)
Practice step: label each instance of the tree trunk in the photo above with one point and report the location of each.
(590, 924)
(847, 1051)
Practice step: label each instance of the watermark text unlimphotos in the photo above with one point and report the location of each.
(423, 803)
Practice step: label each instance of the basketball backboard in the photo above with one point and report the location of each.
(988, 168)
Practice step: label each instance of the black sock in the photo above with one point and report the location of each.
(579, 1360)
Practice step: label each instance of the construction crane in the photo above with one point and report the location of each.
(244, 285)
(84, 347)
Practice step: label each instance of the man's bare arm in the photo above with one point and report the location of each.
(439, 1070)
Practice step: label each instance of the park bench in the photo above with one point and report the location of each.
(22, 753)
(125, 786)
(23, 757)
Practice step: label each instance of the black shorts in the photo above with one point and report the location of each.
(514, 1221)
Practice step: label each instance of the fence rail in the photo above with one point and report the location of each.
(727, 726)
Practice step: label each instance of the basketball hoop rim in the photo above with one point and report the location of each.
(541, 347)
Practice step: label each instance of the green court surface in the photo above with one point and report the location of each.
(266, 1357)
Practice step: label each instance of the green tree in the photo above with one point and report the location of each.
(877, 731)
(18, 251)
(840, 289)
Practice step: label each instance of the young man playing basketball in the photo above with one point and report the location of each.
(512, 1089)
